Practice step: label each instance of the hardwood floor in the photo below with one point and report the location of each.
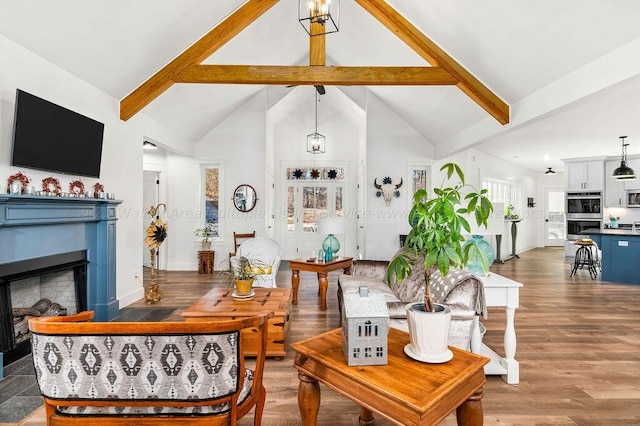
(578, 348)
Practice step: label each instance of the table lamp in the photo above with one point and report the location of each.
(331, 226)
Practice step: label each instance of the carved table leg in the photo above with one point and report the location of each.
(323, 284)
(366, 417)
(470, 412)
(295, 282)
(308, 399)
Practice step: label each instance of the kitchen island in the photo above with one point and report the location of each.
(620, 254)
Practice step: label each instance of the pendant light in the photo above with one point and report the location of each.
(316, 141)
(624, 172)
(550, 172)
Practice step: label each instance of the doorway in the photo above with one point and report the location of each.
(555, 218)
(150, 197)
(306, 203)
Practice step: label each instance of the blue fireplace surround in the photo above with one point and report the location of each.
(35, 226)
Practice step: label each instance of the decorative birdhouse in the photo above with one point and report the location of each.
(365, 328)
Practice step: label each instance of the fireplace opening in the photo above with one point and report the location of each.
(49, 285)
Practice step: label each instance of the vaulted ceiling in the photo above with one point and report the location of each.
(569, 70)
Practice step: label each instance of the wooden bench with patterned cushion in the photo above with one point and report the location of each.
(147, 372)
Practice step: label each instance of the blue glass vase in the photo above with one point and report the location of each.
(474, 263)
(330, 245)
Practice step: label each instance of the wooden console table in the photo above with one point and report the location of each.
(500, 291)
(393, 390)
(322, 268)
(206, 261)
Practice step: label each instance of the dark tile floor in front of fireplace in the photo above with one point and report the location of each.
(19, 394)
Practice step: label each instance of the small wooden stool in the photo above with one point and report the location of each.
(205, 261)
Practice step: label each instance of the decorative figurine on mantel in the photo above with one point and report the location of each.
(156, 234)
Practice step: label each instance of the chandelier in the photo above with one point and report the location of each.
(316, 141)
(624, 172)
(319, 16)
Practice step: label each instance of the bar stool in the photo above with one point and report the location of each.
(585, 257)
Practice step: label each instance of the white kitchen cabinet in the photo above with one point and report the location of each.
(634, 163)
(585, 175)
(614, 191)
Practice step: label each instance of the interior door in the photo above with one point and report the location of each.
(306, 203)
(150, 197)
(555, 218)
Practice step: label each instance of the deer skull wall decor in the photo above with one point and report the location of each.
(387, 189)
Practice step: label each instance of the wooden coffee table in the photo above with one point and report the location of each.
(219, 304)
(322, 268)
(405, 392)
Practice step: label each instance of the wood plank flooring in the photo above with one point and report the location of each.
(578, 348)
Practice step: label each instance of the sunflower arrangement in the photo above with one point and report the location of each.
(155, 236)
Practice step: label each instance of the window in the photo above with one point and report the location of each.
(367, 352)
(505, 192)
(367, 328)
(211, 177)
(379, 352)
(356, 352)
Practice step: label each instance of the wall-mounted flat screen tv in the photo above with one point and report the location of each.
(49, 137)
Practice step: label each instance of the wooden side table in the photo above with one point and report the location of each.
(405, 392)
(205, 261)
(321, 268)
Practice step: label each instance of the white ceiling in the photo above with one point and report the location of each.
(567, 68)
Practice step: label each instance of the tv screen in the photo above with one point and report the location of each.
(49, 137)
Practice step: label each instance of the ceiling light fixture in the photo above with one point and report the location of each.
(319, 16)
(316, 141)
(149, 145)
(624, 172)
(550, 172)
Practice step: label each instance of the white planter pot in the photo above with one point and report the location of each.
(429, 333)
(206, 246)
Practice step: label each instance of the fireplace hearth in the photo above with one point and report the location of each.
(19, 270)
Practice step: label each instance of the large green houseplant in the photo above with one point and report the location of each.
(437, 225)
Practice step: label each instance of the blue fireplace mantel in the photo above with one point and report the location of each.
(35, 226)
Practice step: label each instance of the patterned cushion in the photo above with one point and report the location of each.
(137, 367)
(155, 410)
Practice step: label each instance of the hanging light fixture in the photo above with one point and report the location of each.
(316, 141)
(550, 172)
(624, 172)
(319, 16)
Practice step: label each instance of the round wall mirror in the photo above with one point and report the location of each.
(244, 198)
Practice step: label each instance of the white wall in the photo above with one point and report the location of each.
(121, 171)
(391, 142)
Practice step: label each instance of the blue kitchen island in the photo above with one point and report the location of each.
(620, 254)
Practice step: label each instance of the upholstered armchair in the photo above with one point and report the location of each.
(459, 290)
(266, 254)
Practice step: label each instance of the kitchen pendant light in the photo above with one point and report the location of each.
(624, 172)
(550, 172)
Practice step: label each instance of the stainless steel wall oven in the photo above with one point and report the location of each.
(584, 205)
(576, 226)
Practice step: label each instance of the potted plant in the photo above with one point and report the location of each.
(436, 239)
(614, 221)
(243, 272)
(206, 233)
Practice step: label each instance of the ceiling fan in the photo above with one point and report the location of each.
(319, 87)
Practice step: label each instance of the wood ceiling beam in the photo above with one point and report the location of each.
(155, 85)
(315, 75)
(437, 57)
(317, 49)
